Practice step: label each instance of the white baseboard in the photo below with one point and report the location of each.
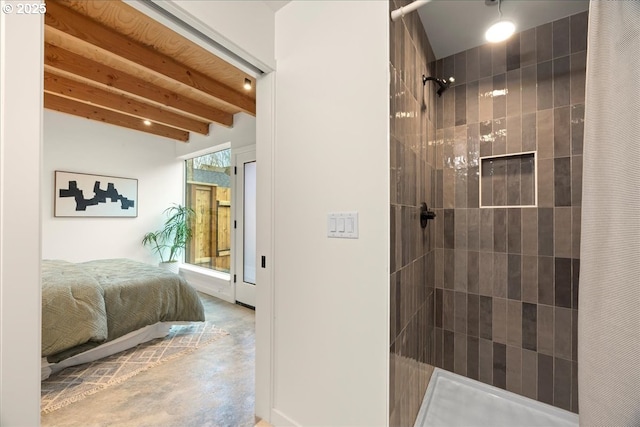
(278, 419)
(210, 285)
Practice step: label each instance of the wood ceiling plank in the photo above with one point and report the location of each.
(73, 63)
(132, 23)
(83, 92)
(68, 106)
(83, 28)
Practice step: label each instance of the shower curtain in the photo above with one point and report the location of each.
(609, 289)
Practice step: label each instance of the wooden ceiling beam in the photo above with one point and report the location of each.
(69, 62)
(76, 25)
(68, 88)
(92, 112)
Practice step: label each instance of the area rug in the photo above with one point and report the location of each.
(77, 382)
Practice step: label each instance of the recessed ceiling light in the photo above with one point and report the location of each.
(500, 31)
(247, 84)
(147, 122)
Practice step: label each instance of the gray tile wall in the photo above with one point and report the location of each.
(413, 154)
(507, 279)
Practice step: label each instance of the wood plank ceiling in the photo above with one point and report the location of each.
(105, 61)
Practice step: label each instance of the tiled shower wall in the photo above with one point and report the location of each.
(412, 123)
(507, 278)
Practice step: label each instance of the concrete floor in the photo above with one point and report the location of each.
(213, 386)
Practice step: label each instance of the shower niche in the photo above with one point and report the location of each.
(508, 181)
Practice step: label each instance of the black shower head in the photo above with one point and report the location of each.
(442, 83)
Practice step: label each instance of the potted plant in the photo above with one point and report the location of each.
(174, 236)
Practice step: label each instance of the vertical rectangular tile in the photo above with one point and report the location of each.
(461, 104)
(529, 225)
(578, 77)
(562, 384)
(486, 230)
(449, 108)
(449, 228)
(529, 326)
(473, 224)
(576, 213)
(473, 358)
(499, 365)
(514, 278)
(545, 85)
(545, 329)
(529, 130)
(577, 128)
(499, 322)
(575, 278)
(484, 60)
(486, 186)
(460, 229)
(500, 271)
(562, 228)
(530, 279)
(499, 96)
(473, 272)
(460, 301)
(448, 350)
(562, 282)
(530, 374)
(486, 138)
(473, 315)
(562, 333)
(574, 387)
(543, 42)
(460, 354)
(545, 378)
(545, 280)
(528, 47)
(561, 132)
(514, 369)
(529, 83)
(546, 184)
(485, 362)
(460, 274)
(439, 344)
(485, 284)
(438, 308)
(561, 81)
(473, 64)
(574, 335)
(500, 230)
(499, 181)
(576, 180)
(485, 99)
(514, 180)
(514, 101)
(513, 52)
(472, 107)
(514, 134)
(448, 310)
(579, 23)
(561, 37)
(528, 181)
(562, 181)
(545, 231)
(498, 57)
(514, 231)
(514, 323)
(486, 317)
(460, 61)
(545, 134)
(499, 136)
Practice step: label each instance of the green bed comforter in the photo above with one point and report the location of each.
(97, 301)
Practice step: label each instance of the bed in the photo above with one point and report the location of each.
(94, 309)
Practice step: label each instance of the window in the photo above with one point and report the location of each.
(208, 193)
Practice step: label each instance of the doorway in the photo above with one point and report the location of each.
(246, 218)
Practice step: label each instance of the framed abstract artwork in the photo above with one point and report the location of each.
(85, 195)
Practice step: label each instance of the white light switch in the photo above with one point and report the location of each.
(342, 225)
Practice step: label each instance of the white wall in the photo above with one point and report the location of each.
(331, 150)
(242, 134)
(76, 144)
(20, 146)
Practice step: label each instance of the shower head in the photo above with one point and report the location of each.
(442, 83)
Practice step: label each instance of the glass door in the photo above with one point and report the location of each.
(245, 249)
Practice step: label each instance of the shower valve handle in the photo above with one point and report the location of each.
(425, 215)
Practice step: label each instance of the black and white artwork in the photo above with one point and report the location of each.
(85, 195)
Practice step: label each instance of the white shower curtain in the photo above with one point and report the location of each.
(609, 291)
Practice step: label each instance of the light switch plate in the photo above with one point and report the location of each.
(342, 225)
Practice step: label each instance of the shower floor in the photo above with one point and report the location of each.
(453, 400)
